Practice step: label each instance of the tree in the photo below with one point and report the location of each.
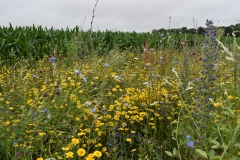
(192, 31)
(228, 31)
(237, 28)
(200, 30)
(154, 31)
(161, 30)
(184, 30)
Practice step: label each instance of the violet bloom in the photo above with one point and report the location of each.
(57, 93)
(52, 59)
(45, 95)
(190, 144)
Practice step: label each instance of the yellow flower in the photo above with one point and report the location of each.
(6, 123)
(41, 133)
(114, 89)
(75, 141)
(81, 133)
(97, 153)
(230, 97)
(98, 145)
(40, 159)
(133, 150)
(81, 152)
(69, 155)
(217, 104)
(129, 140)
(65, 148)
(58, 157)
(104, 149)
(89, 158)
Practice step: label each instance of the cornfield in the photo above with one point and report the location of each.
(36, 42)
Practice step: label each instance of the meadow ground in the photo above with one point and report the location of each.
(161, 104)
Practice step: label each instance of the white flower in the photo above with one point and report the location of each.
(167, 82)
(87, 103)
(230, 58)
(148, 84)
(154, 103)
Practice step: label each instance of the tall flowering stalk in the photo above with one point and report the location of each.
(208, 73)
(208, 78)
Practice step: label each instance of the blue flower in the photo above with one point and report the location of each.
(46, 111)
(188, 136)
(84, 79)
(77, 72)
(106, 64)
(52, 59)
(93, 110)
(161, 35)
(190, 144)
(34, 76)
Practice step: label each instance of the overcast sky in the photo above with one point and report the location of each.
(123, 15)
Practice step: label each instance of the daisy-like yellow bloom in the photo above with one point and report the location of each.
(75, 141)
(41, 133)
(97, 153)
(90, 157)
(81, 152)
(69, 155)
(40, 159)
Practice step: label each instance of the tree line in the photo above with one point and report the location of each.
(227, 31)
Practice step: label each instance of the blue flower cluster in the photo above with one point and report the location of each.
(208, 73)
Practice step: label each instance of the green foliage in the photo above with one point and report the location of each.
(37, 42)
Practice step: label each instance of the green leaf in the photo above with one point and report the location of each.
(216, 143)
(169, 153)
(226, 113)
(230, 111)
(174, 151)
(215, 147)
(216, 158)
(211, 153)
(237, 145)
(202, 153)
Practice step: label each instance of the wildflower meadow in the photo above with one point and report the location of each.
(155, 104)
